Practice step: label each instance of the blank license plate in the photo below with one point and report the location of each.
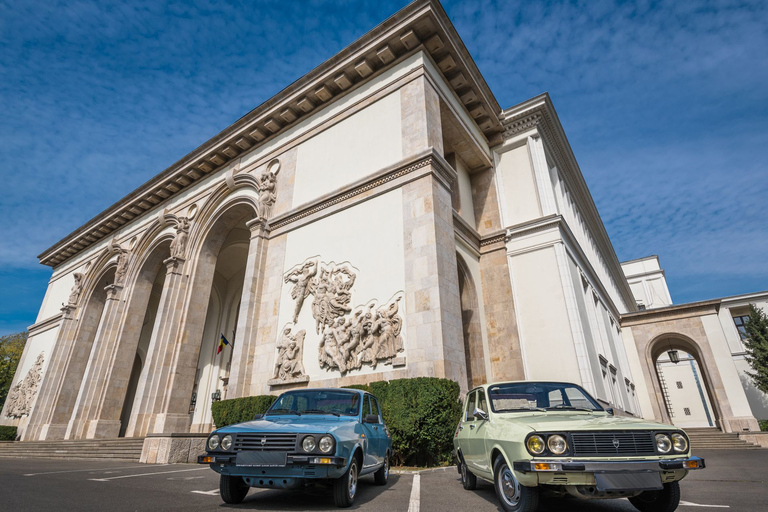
(629, 481)
(261, 459)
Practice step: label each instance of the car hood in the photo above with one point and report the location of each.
(583, 421)
(298, 424)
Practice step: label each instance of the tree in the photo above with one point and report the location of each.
(756, 344)
(11, 347)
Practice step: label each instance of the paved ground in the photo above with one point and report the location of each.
(733, 480)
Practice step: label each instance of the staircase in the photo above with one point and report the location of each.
(713, 439)
(121, 448)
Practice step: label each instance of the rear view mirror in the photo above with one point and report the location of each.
(258, 416)
(609, 410)
(480, 414)
(371, 418)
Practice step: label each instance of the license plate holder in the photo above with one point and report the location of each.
(628, 481)
(253, 459)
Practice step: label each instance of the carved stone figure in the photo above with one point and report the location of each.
(179, 243)
(21, 396)
(122, 266)
(267, 182)
(77, 289)
(302, 279)
(290, 350)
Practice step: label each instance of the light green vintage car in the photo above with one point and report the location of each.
(533, 437)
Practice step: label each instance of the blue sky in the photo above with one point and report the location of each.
(664, 103)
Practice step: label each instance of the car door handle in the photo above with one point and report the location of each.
(375, 428)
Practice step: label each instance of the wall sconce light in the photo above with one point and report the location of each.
(216, 396)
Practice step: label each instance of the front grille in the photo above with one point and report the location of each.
(266, 442)
(613, 443)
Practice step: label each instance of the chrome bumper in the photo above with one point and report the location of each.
(593, 466)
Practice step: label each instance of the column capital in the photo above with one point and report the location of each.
(113, 290)
(67, 310)
(174, 264)
(259, 227)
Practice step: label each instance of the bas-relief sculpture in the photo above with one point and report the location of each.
(77, 289)
(122, 266)
(179, 243)
(349, 337)
(21, 396)
(267, 182)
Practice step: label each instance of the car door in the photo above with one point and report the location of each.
(477, 436)
(379, 432)
(369, 441)
(466, 429)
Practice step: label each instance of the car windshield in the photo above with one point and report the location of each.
(337, 403)
(540, 396)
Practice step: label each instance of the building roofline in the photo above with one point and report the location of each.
(644, 258)
(422, 24)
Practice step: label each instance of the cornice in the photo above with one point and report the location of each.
(423, 25)
(465, 232)
(45, 325)
(671, 312)
(539, 113)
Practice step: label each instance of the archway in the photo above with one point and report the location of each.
(471, 328)
(684, 387)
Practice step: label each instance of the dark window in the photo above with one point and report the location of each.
(374, 406)
(741, 325)
(687, 411)
(679, 385)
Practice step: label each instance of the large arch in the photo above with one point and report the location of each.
(471, 326)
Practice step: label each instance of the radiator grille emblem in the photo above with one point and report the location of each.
(263, 441)
(616, 443)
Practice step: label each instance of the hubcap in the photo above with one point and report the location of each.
(510, 489)
(352, 480)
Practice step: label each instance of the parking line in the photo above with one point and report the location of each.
(84, 470)
(144, 474)
(689, 504)
(214, 492)
(413, 505)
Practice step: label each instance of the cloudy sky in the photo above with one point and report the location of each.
(664, 103)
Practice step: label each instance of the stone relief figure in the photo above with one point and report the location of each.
(21, 396)
(302, 279)
(122, 266)
(267, 182)
(179, 243)
(350, 337)
(77, 289)
(290, 349)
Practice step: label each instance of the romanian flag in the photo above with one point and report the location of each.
(223, 341)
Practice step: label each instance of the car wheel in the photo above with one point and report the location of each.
(513, 496)
(345, 487)
(468, 479)
(665, 500)
(232, 489)
(382, 475)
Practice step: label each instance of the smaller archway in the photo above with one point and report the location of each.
(471, 327)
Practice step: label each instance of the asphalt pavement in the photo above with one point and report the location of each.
(733, 481)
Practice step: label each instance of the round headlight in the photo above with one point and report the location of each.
(325, 444)
(663, 444)
(213, 442)
(535, 444)
(226, 442)
(557, 444)
(308, 444)
(679, 443)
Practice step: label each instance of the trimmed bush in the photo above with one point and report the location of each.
(238, 410)
(763, 425)
(361, 387)
(7, 433)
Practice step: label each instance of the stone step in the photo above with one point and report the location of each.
(121, 448)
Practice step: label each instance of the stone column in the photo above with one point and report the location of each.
(155, 412)
(245, 338)
(86, 419)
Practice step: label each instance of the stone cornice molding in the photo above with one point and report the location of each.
(423, 25)
(707, 307)
(45, 325)
(539, 113)
(465, 232)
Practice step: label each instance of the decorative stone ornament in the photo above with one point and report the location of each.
(77, 289)
(22, 395)
(266, 183)
(179, 243)
(290, 350)
(122, 266)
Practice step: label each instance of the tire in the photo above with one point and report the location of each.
(382, 475)
(233, 489)
(345, 487)
(512, 496)
(468, 479)
(665, 500)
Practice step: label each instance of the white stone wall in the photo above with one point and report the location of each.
(647, 282)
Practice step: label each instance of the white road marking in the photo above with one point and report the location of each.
(689, 504)
(144, 474)
(214, 492)
(84, 470)
(413, 505)
(184, 477)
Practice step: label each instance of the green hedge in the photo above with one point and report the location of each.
(421, 414)
(7, 433)
(238, 410)
(763, 425)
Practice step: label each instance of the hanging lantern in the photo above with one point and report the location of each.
(673, 355)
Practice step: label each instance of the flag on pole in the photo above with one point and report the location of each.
(223, 341)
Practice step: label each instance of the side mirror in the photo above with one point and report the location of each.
(480, 414)
(258, 416)
(371, 418)
(609, 410)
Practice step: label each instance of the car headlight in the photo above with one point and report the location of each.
(325, 444)
(226, 442)
(308, 444)
(557, 444)
(663, 444)
(535, 444)
(679, 443)
(213, 442)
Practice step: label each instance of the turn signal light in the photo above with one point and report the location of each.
(323, 460)
(542, 466)
(691, 464)
(207, 460)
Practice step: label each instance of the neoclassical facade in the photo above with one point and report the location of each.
(382, 217)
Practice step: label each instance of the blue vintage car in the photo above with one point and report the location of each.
(330, 435)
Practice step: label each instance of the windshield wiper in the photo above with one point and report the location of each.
(569, 408)
(284, 411)
(318, 411)
(518, 409)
